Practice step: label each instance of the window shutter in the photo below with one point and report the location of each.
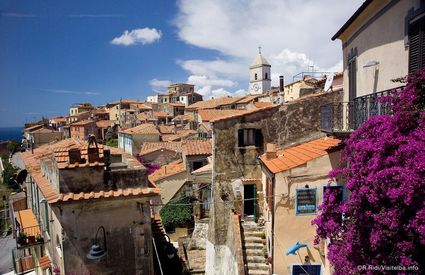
(240, 138)
(258, 138)
(416, 45)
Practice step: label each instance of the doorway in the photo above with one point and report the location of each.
(250, 198)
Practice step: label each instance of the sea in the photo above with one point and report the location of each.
(10, 133)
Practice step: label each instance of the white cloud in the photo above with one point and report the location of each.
(293, 35)
(203, 80)
(60, 91)
(157, 84)
(137, 36)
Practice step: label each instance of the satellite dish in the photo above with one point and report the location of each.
(329, 80)
(22, 175)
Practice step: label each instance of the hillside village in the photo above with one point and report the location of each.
(181, 184)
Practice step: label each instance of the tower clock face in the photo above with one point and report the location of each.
(256, 87)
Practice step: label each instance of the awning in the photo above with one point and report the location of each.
(28, 223)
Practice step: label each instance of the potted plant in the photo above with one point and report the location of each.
(39, 239)
(22, 238)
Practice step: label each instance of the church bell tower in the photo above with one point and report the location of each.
(259, 75)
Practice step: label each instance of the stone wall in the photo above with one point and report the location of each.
(291, 123)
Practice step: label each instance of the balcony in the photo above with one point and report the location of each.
(28, 230)
(342, 118)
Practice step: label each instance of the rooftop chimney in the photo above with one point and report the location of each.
(281, 84)
(74, 155)
(92, 149)
(271, 151)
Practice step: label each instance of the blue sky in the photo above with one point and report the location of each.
(55, 53)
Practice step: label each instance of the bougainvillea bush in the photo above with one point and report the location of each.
(381, 223)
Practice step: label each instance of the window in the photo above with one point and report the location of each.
(197, 164)
(416, 45)
(250, 137)
(310, 269)
(339, 189)
(267, 76)
(306, 201)
(255, 76)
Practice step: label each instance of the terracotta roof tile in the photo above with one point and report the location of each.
(170, 169)
(83, 122)
(213, 114)
(248, 112)
(142, 129)
(143, 116)
(104, 123)
(297, 155)
(197, 147)
(170, 137)
(262, 104)
(149, 147)
(167, 129)
(188, 117)
(247, 99)
(213, 103)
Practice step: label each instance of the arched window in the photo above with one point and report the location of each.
(267, 76)
(255, 76)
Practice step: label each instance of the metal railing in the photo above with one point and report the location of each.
(29, 235)
(23, 261)
(348, 116)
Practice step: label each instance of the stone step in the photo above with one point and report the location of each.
(257, 266)
(253, 233)
(258, 272)
(254, 252)
(253, 245)
(256, 259)
(254, 240)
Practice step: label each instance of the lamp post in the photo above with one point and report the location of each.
(169, 248)
(97, 252)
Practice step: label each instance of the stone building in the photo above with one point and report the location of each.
(39, 135)
(130, 140)
(83, 129)
(238, 141)
(89, 211)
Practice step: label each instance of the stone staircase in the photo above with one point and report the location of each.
(252, 248)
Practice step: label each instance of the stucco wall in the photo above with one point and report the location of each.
(384, 40)
(290, 228)
(128, 236)
(171, 186)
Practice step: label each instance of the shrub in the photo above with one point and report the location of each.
(384, 215)
(177, 212)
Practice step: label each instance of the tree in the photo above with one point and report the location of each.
(382, 222)
(177, 212)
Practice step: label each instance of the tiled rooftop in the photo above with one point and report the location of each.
(247, 99)
(188, 117)
(104, 123)
(248, 112)
(297, 155)
(149, 147)
(262, 104)
(142, 129)
(213, 103)
(212, 114)
(167, 129)
(197, 147)
(83, 122)
(165, 171)
(32, 164)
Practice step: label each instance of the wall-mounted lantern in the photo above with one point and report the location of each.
(96, 251)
